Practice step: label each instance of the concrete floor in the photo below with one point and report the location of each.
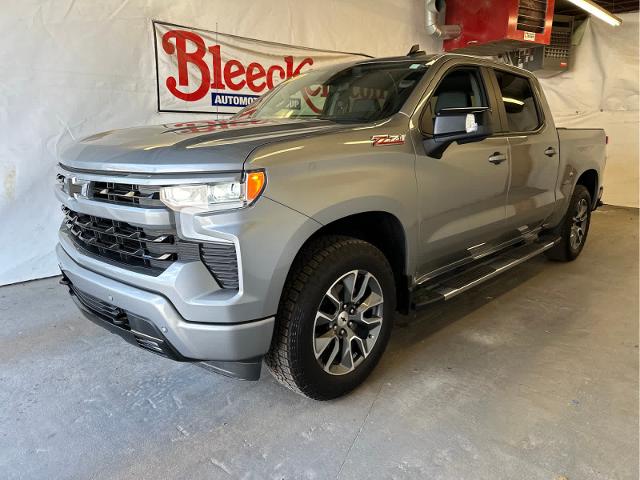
(531, 376)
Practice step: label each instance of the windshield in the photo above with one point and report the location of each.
(357, 94)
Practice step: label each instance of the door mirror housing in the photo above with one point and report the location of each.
(462, 125)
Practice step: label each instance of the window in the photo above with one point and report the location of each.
(519, 102)
(459, 89)
(361, 93)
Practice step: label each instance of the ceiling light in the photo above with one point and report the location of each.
(597, 11)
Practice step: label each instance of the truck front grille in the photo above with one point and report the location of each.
(147, 250)
(141, 248)
(145, 196)
(130, 194)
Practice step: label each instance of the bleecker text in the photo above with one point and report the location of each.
(193, 54)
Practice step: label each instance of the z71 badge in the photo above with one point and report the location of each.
(380, 140)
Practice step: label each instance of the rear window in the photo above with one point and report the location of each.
(519, 102)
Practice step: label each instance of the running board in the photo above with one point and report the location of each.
(450, 285)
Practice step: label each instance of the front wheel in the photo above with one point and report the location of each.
(574, 228)
(334, 319)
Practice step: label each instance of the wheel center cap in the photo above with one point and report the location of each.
(342, 318)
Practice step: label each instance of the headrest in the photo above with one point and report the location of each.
(362, 105)
(451, 100)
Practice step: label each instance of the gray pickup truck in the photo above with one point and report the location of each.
(292, 232)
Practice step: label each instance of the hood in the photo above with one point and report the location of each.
(199, 146)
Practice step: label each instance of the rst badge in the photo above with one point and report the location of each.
(380, 140)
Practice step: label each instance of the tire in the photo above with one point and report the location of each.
(306, 323)
(574, 228)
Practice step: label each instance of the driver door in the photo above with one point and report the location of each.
(463, 194)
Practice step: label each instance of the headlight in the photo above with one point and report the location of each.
(215, 196)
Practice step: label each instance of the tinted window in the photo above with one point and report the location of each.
(458, 89)
(519, 102)
(361, 93)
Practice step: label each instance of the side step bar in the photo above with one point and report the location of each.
(449, 285)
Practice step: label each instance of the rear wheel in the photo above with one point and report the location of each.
(334, 318)
(575, 227)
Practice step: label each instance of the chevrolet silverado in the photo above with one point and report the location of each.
(292, 232)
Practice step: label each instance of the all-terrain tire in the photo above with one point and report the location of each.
(291, 358)
(567, 249)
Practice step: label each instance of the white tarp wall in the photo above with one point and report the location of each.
(601, 90)
(71, 68)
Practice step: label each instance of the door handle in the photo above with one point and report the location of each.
(497, 158)
(550, 152)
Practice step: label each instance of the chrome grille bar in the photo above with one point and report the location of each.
(147, 196)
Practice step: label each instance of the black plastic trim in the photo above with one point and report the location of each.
(221, 259)
(144, 334)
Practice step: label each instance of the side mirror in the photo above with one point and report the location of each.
(462, 125)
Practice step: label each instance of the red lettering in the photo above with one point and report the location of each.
(291, 72)
(216, 63)
(247, 113)
(190, 50)
(207, 126)
(185, 58)
(270, 74)
(322, 89)
(204, 126)
(306, 61)
(308, 92)
(234, 69)
(255, 71)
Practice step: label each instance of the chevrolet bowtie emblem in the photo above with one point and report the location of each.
(75, 187)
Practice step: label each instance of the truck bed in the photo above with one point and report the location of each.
(582, 146)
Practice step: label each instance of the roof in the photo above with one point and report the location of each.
(423, 57)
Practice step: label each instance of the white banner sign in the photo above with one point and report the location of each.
(209, 72)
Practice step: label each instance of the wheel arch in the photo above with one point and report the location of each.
(589, 179)
(384, 231)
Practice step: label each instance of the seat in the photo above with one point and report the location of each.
(452, 99)
(364, 105)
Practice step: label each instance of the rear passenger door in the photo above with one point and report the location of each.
(533, 152)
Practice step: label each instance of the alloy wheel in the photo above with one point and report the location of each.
(348, 322)
(579, 224)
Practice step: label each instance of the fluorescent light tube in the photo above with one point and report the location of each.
(597, 11)
(515, 101)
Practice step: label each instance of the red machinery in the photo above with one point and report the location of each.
(494, 27)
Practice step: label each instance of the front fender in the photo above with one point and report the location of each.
(268, 236)
(330, 177)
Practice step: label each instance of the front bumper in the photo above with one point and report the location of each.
(153, 323)
(188, 314)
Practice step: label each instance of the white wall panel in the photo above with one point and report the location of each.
(602, 90)
(71, 68)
